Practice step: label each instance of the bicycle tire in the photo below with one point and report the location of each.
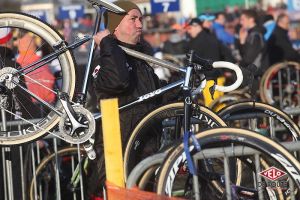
(227, 99)
(257, 108)
(138, 171)
(67, 151)
(133, 155)
(226, 137)
(266, 94)
(45, 36)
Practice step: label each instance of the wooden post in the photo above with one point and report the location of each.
(112, 142)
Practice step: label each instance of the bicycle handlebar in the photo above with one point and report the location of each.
(236, 69)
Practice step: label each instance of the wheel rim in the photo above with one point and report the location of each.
(34, 40)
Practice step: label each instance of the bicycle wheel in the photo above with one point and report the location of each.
(45, 174)
(142, 172)
(223, 101)
(269, 120)
(279, 85)
(33, 40)
(161, 128)
(236, 143)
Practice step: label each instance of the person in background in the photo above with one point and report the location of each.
(118, 75)
(219, 28)
(206, 45)
(176, 44)
(251, 43)
(207, 22)
(269, 24)
(279, 44)
(201, 41)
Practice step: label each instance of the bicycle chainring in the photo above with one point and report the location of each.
(80, 135)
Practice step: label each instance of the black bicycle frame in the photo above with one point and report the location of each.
(61, 48)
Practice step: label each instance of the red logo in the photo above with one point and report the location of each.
(272, 173)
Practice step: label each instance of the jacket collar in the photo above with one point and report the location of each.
(137, 47)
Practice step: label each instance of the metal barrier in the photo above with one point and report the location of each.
(19, 170)
(20, 163)
(227, 152)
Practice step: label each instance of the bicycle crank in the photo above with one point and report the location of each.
(80, 131)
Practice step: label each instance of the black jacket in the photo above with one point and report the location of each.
(280, 47)
(206, 46)
(254, 50)
(126, 78)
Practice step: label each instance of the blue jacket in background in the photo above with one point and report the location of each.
(225, 37)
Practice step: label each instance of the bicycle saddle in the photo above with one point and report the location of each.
(109, 6)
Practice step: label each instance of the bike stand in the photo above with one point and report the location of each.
(6, 157)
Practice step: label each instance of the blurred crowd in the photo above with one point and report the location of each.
(224, 35)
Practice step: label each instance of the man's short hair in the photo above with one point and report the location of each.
(280, 17)
(195, 21)
(220, 13)
(251, 14)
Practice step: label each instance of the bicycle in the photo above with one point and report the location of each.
(220, 144)
(63, 161)
(76, 124)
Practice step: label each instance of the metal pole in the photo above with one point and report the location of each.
(80, 172)
(57, 178)
(7, 152)
(4, 175)
(259, 179)
(227, 178)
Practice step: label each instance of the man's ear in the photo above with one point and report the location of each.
(116, 28)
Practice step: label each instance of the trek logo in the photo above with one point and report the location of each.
(149, 95)
(272, 173)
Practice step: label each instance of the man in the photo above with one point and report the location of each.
(207, 21)
(206, 45)
(202, 42)
(251, 42)
(219, 29)
(118, 75)
(279, 44)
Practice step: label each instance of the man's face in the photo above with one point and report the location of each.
(245, 21)
(130, 28)
(207, 24)
(193, 30)
(284, 23)
(221, 19)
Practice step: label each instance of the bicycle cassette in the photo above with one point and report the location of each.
(8, 78)
(82, 133)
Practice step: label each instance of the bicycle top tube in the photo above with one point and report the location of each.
(154, 60)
